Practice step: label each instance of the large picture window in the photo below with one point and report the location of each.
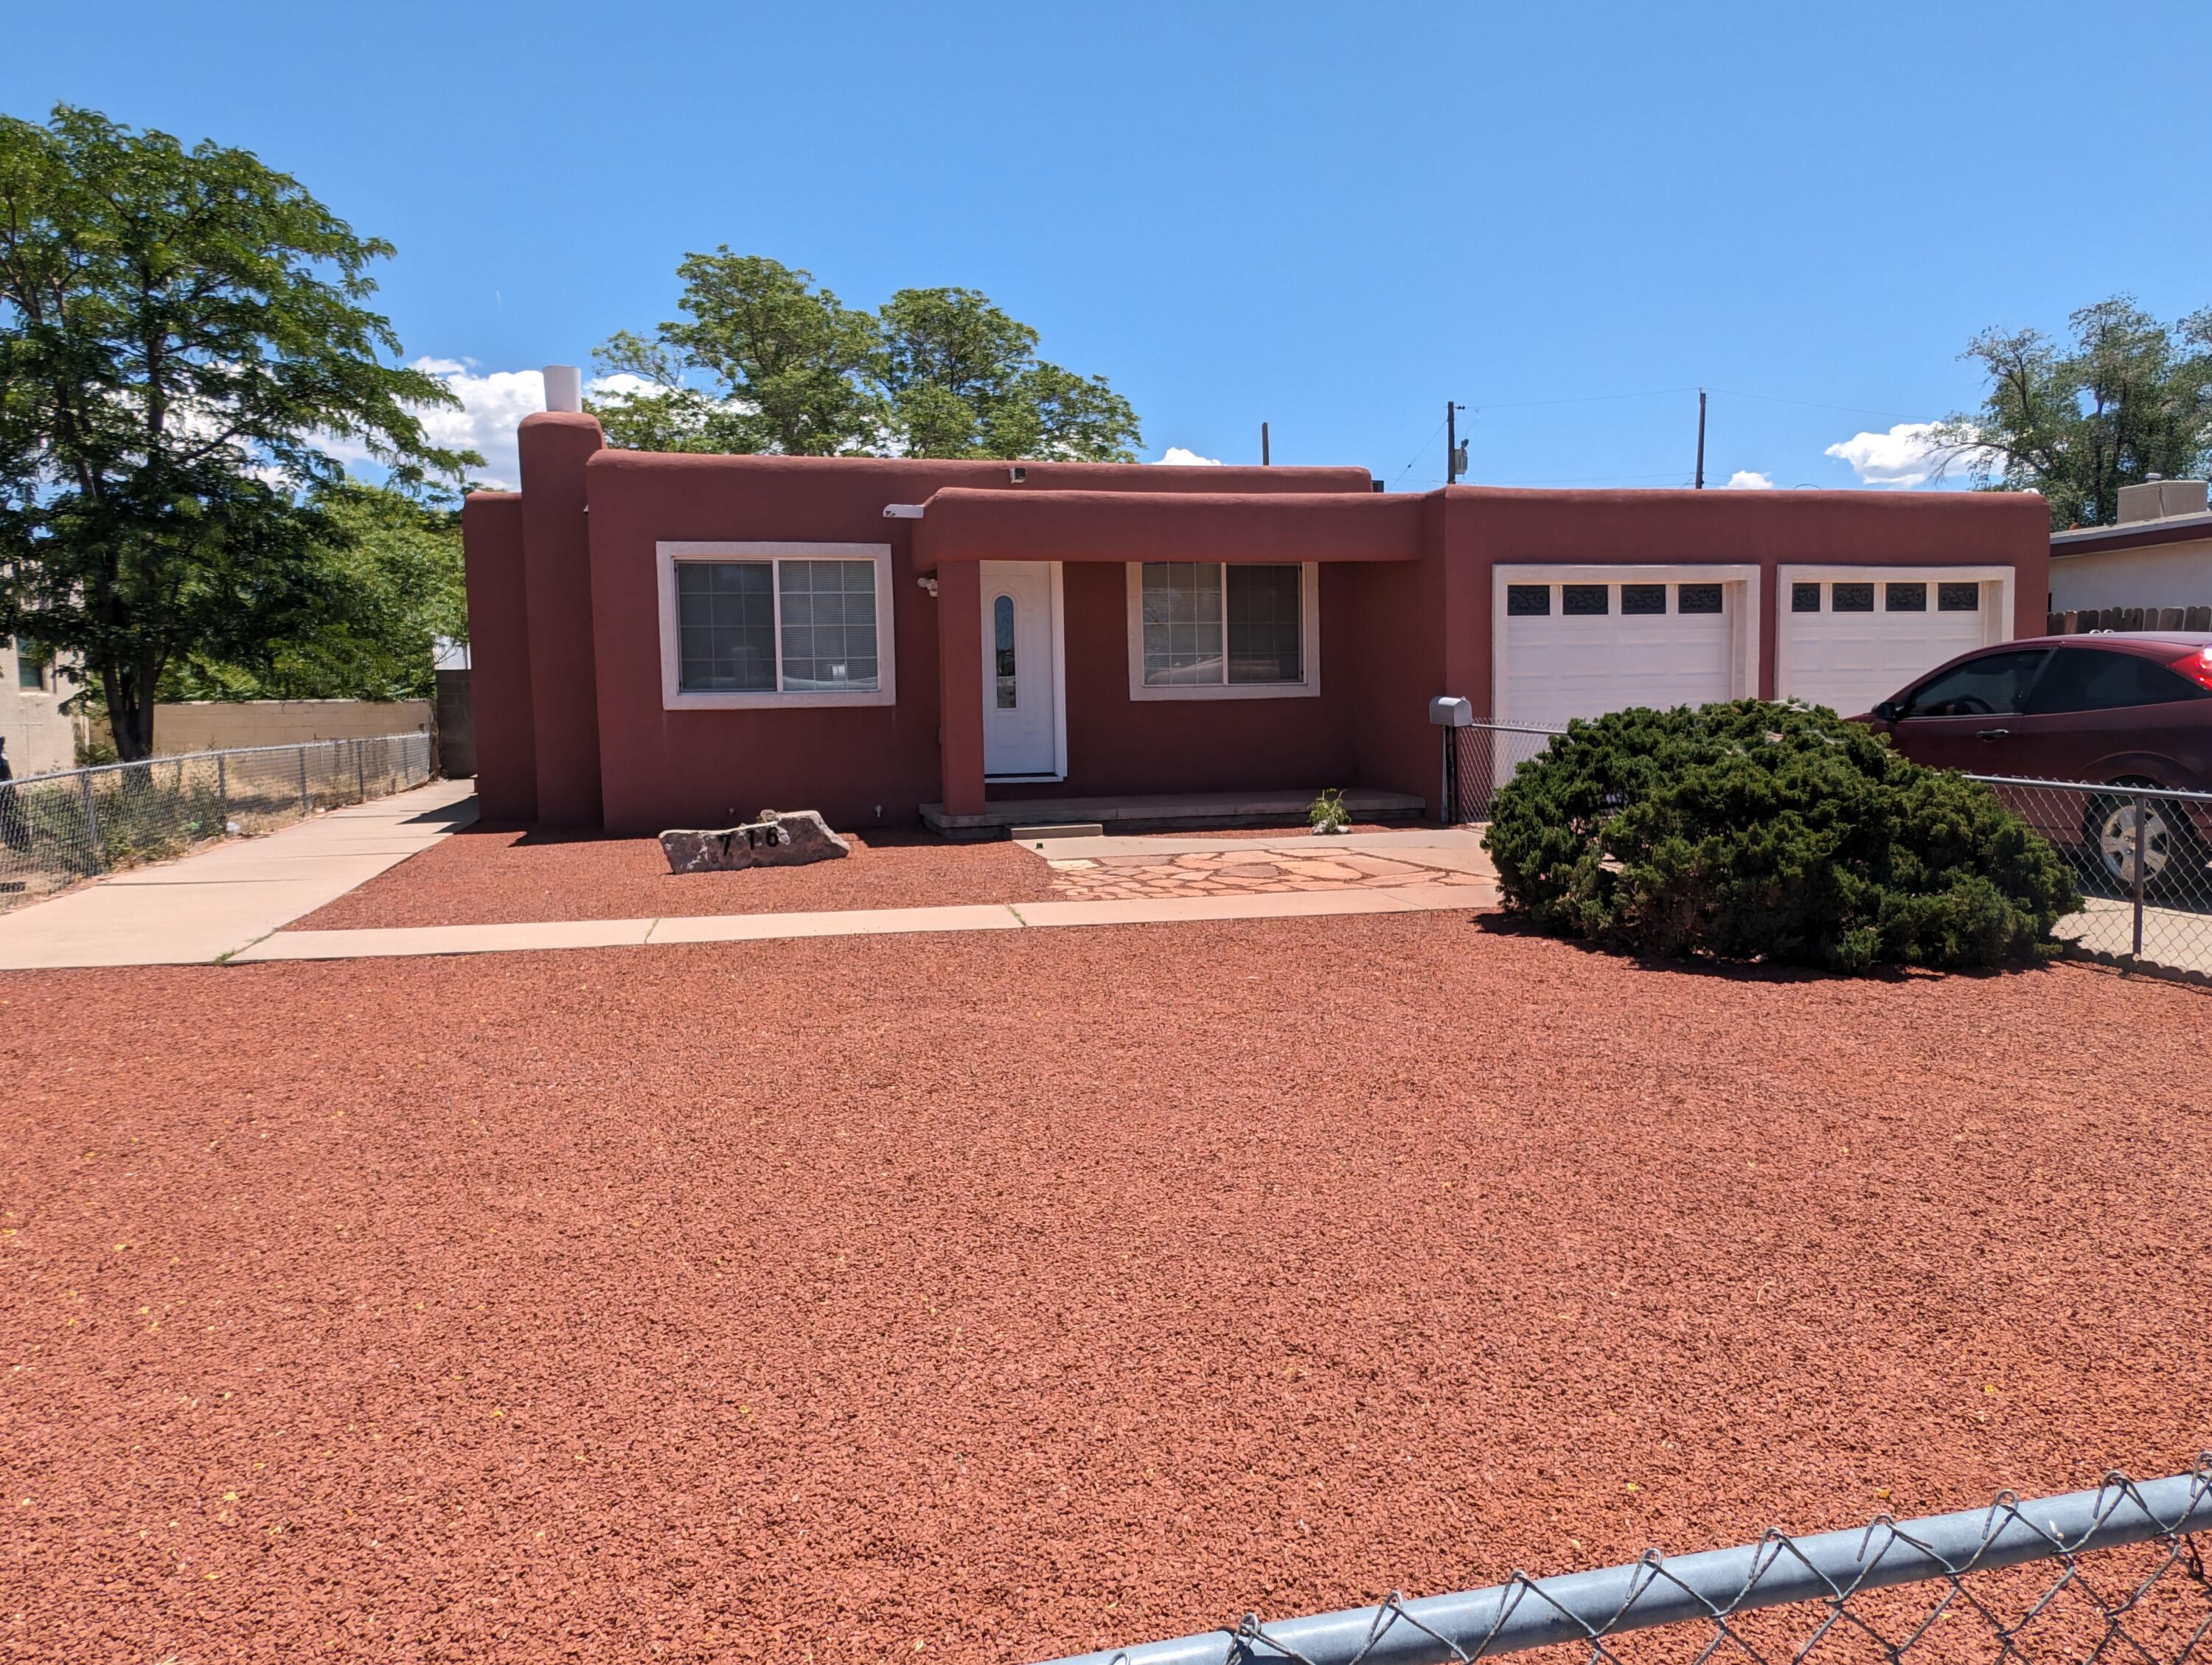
(775, 624)
(1228, 629)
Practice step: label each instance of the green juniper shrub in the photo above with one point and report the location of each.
(1779, 833)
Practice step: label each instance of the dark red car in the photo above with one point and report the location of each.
(2117, 709)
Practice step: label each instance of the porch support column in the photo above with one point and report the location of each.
(960, 684)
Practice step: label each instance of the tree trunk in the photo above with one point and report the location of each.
(129, 712)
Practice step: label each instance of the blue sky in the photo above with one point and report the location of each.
(1330, 218)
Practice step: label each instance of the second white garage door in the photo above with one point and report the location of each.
(1847, 637)
(1573, 648)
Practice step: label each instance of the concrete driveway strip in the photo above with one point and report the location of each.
(205, 906)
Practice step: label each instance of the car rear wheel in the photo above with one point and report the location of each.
(2173, 861)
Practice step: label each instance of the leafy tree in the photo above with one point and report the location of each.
(2128, 397)
(1754, 831)
(182, 333)
(788, 367)
(963, 380)
(393, 580)
(792, 366)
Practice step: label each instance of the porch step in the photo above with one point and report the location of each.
(1139, 813)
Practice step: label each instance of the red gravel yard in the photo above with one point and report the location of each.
(984, 1298)
(492, 877)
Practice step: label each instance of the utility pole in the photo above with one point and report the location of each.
(1701, 439)
(1454, 453)
(1263, 446)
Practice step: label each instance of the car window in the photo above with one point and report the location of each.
(2096, 679)
(1990, 686)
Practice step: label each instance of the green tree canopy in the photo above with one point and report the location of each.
(182, 335)
(786, 366)
(2125, 399)
(390, 572)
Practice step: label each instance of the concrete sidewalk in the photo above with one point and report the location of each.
(402, 942)
(205, 906)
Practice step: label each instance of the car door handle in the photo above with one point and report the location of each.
(1992, 733)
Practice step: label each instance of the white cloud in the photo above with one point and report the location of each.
(493, 405)
(1177, 457)
(1745, 479)
(1904, 457)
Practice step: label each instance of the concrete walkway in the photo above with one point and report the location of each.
(201, 908)
(2173, 939)
(232, 902)
(872, 921)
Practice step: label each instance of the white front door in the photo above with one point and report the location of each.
(1021, 723)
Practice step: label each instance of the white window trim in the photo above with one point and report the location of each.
(675, 697)
(1307, 687)
(1743, 657)
(1997, 584)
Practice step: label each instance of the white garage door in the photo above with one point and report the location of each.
(1850, 641)
(1581, 650)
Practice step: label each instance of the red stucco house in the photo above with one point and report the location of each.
(668, 641)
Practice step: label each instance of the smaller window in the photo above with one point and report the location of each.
(31, 661)
(2097, 679)
(1804, 597)
(1644, 598)
(1850, 597)
(1002, 631)
(1584, 601)
(1697, 598)
(1988, 685)
(1528, 600)
(1958, 597)
(1905, 597)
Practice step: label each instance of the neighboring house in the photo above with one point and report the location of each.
(2157, 554)
(41, 737)
(670, 641)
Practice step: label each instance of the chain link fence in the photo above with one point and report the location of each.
(57, 831)
(2112, 1575)
(1480, 757)
(2142, 855)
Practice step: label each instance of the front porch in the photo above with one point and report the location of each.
(1167, 812)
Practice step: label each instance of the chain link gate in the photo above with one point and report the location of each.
(1480, 757)
(2143, 857)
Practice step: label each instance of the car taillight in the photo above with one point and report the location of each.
(2196, 666)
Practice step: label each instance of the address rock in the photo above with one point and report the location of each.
(780, 838)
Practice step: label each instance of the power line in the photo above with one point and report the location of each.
(1423, 451)
(1816, 404)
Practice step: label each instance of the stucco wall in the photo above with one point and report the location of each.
(220, 724)
(41, 737)
(2165, 575)
(866, 765)
(1768, 530)
(568, 677)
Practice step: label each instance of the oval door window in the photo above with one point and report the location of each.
(1002, 629)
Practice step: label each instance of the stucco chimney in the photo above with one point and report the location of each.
(565, 387)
